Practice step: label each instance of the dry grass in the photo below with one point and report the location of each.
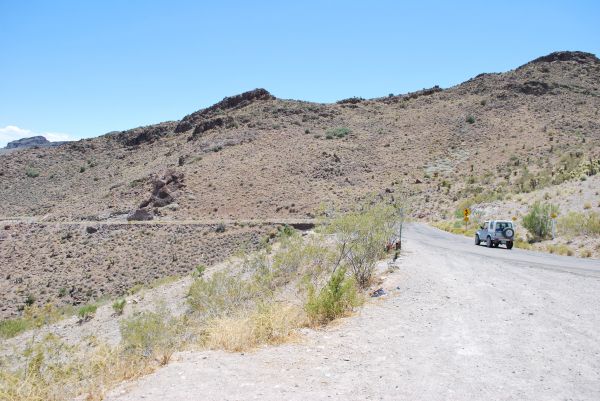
(270, 324)
(56, 372)
(559, 249)
(457, 227)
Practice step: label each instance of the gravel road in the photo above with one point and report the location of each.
(459, 322)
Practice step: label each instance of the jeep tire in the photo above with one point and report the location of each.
(477, 240)
(509, 245)
(489, 242)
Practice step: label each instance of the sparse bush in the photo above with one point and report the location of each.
(119, 306)
(575, 223)
(336, 299)
(587, 205)
(32, 172)
(82, 169)
(13, 327)
(199, 271)
(152, 334)
(362, 235)
(33, 317)
(337, 133)
(538, 220)
(219, 295)
(29, 300)
(87, 312)
(519, 243)
(220, 228)
(470, 119)
(559, 249)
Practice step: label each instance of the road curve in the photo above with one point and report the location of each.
(459, 322)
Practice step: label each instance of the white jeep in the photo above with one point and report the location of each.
(496, 232)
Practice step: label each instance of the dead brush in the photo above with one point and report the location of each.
(270, 324)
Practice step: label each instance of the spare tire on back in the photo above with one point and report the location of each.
(508, 232)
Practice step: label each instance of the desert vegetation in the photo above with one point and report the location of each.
(263, 297)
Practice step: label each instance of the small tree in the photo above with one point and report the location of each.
(362, 236)
(538, 221)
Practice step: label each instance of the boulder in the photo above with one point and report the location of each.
(141, 214)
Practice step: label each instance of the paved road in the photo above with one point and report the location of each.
(459, 323)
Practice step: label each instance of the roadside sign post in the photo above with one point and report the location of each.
(466, 213)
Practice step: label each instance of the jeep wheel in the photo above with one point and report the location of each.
(489, 242)
(509, 245)
(477, 240)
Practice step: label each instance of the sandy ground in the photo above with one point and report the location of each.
(459, 323)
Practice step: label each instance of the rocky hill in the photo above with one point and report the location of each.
(254, 156)
(34, 141)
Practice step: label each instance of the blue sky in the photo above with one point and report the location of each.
(72, 69)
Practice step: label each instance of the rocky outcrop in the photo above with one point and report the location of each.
(228, 103)
(576, 56)
(219, 122)
(148, 134)
(141, 214)
(164, 189)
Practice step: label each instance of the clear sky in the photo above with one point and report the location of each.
(72, 69)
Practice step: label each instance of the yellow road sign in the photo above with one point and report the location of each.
(466, 212)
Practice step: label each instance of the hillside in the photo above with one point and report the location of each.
(257, 157)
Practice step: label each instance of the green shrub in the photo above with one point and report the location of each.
(362, 235)
(119, 306)
(338, 297)
(337, 133)
(470, 119)
(87, 311)
(32, 172)
(152, 334)
(575, 223)
(219, 295)
(538, 220)
(13, 327)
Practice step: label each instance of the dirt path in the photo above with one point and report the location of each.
(457, 324)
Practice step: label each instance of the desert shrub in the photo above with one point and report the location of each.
(33, 317)
(361, 237)
(119, 306)
(268, 324)
(199, 271)
(340, 132)
(82, 169)
(32, 172)
(152, 334)
(219, 295)
(13, 327)
(470, 119)
(87, 311)
(29, 300)
(220, 228)
(336, 299)
(519, 243)
(559, 249)
(587, 205)
(538, 221)
(575, 223)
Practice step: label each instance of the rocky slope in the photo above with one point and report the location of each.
(253, 156)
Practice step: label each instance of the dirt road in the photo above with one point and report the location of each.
(459, 323)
